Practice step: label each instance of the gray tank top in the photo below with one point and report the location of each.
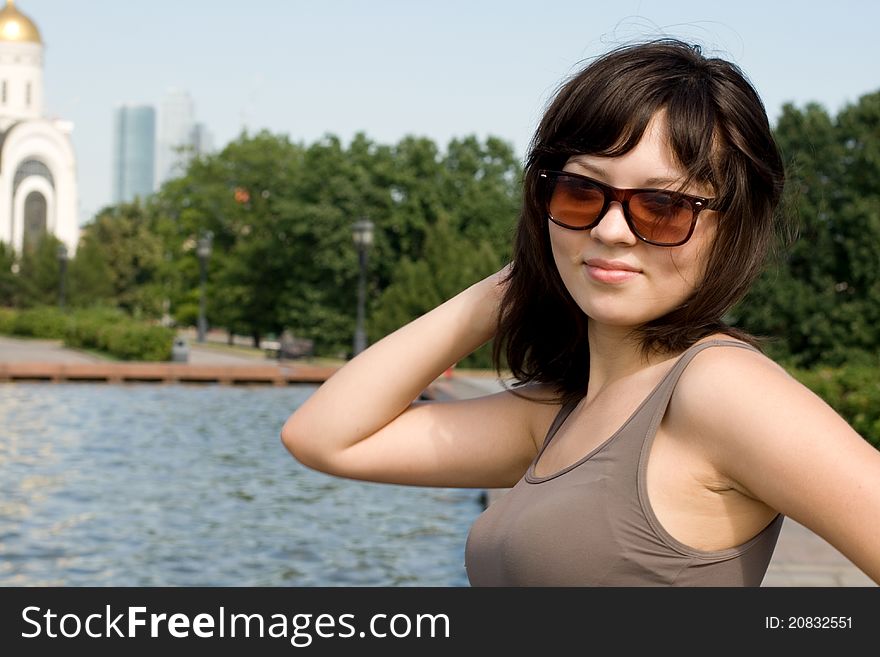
(591, 524)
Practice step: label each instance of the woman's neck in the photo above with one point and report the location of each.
(615, 353)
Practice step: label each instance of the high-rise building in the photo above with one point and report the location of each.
(38, 189)
(180, 136)
(134, 149)
(201, 139)
(176, 119)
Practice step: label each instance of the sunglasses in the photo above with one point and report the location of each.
(657, 216)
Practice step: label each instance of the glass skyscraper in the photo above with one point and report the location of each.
(175, 124)
(180, 137)
(134, 152)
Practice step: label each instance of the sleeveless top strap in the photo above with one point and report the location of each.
(668, 383)
(563, 413)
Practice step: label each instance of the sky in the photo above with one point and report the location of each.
(390, 68)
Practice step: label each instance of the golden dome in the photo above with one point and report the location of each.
(15, 26)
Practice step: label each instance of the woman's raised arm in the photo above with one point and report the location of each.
(363, 421)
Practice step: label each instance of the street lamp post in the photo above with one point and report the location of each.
(362, 231)
(62, 273)
(204, 252)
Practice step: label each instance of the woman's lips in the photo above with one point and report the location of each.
(609, 271)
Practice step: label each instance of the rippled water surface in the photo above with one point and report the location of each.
(152, 485)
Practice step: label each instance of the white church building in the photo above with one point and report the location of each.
(38, 190)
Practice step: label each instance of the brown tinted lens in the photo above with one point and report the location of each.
(576, 202)
(661, 217)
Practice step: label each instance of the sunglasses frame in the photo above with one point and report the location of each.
(622, 196)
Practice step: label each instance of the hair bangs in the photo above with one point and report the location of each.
(692, 133)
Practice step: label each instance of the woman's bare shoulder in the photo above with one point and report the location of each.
(716, 377)
(734, 362)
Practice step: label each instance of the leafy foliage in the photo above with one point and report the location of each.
(853, 391)
(104, 329)
(420, 285)
(281, 215)
(119, 258)
(823, 298)
(39, 273)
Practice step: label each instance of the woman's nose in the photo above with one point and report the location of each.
(612, 227)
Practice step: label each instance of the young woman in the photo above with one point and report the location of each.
(647, 443)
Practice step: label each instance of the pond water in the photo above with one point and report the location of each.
(175, 485)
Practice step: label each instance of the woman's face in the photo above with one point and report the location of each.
(661, 277)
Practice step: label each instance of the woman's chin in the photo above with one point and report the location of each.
(615, 320)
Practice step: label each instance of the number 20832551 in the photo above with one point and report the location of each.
(808, 622)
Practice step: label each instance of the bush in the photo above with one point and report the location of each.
(7, 320)
(103, 329)
(88, 328)
(132, 341)
(853, 391)
(41, 322)
(111, 331)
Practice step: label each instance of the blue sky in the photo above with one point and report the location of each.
(390, 68)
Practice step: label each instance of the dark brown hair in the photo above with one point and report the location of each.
(718, 132)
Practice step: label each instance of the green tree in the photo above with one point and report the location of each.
(450, 263)
(482, 191)
(89, 272)
(282, 216)
(40, 272)
(10, 285)
(121, 257)
(822, 299)
(236, 195)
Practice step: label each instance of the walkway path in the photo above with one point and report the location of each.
(16, 350)
(46, 360)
